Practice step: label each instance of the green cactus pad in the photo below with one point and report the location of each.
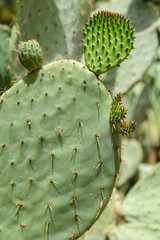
(5, 78)
(132, 155)
(55, 24)
(58, 156)
(108, 39)
(106, 222)
(136, 231)
(144, 16)
(30, 54)
(142, 202)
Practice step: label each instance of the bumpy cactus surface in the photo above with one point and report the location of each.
(59, 157)
(108, 39)
(30, 54)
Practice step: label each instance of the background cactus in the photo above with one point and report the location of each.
(5, 77)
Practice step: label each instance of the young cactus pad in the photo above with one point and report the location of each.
(30, 54)
(108, 39)
(59, 157)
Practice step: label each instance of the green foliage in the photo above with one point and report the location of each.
(108, 39)
(59, 161)
(30, 54)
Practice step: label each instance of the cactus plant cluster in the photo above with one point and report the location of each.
(61, 130)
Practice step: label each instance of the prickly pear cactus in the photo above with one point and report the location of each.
(59, 157)
(108, 39)
(30, 54)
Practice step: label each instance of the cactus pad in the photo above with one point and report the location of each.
(108, 39)
(30, 54)
(144, 16)
(5, 79)
(59, 158)
(140, 210)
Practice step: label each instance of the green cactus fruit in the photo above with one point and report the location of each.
(108, 39)
(59, 158)
(30, 54)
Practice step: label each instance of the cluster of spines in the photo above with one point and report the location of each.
(117, 115)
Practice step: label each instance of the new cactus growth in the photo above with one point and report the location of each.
(30, 54)
(118, 113)
(108, 39)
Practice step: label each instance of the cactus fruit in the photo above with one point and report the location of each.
(59, 157)
(30, 54)
(108, 39)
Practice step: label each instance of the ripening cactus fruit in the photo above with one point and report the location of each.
(30, 54)
(108, 40)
